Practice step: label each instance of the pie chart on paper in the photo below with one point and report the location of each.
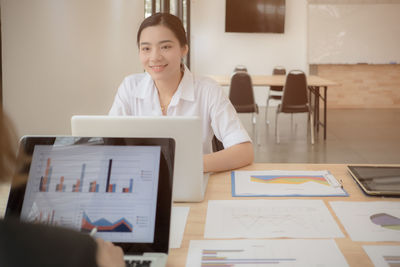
(386, 221)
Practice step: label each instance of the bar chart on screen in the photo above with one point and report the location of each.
(68, 171)
(110, 188)
(57, 215)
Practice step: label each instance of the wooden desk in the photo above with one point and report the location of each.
(219, 188)
(314, 84)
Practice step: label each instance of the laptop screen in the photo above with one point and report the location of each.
(111, 184)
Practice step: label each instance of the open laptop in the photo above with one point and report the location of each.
(189, 181)
(120, 186)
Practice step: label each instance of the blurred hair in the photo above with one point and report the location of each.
(170, 21)
(8, 146)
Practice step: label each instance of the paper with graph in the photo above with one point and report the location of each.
(369, 221)
(285, 183)
(269, 218)
(384, 255)
(290, 252)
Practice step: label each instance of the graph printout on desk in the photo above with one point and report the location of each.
(285, 183)
(383, 255)
(369, 220)
(262, 218)
(289, 252)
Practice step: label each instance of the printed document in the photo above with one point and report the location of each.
(269, 218)
(384, 255)
(178, 223)
(369, 221)
(290, 252)
(285, 183)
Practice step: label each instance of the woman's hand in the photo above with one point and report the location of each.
(109, 255)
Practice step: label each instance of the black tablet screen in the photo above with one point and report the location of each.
(378, 178)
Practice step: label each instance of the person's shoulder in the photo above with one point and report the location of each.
(205, 81)
(132, 82)
(206, 85)
(135, 78)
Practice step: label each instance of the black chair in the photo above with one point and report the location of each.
(242, 96)
(216, 144)
(295, 100)
(275, 92)
(240, 68)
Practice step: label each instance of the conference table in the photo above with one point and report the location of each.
(315, 83)
(219, 188)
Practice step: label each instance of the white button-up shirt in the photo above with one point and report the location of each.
(195, 96)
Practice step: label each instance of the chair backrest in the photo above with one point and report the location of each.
(295, 91)
(241, 92)
(240, 68)
(216, 144)
(279, 70)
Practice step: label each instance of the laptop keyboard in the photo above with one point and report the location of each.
(138, 263)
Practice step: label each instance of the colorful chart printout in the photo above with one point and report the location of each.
(295, 179)
(285, 183)
(369, 221)
(386, 221)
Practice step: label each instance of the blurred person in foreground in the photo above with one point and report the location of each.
(25, 244)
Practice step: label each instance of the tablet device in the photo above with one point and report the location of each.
(377, 180)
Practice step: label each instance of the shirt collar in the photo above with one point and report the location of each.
(145, 87)
(185, 88)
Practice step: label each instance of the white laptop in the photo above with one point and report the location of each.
(120, 186)
(189, 181)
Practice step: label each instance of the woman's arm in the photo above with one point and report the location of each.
(231, 158)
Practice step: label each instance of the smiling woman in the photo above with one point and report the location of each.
(161, 54)
(168, 88)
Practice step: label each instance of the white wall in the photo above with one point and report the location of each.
(216, 52)
(65, 57)
(354, 33)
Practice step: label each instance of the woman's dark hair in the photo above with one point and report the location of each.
(170, 21)
(8, 146)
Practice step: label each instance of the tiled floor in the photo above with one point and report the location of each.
(354, 136)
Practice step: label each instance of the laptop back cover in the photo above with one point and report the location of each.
(190, 183)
